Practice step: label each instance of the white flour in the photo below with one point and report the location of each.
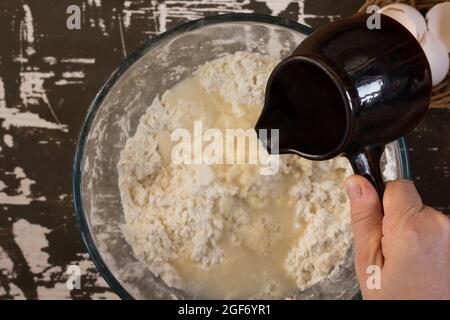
(225, 231)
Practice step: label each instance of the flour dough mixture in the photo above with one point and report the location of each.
(226, 231)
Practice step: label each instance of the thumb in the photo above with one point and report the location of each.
(367, 217)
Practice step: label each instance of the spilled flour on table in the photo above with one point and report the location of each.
(225, 231)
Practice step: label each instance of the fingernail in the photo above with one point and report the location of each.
(353, 189)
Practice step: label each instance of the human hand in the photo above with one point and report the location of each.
(408, 248)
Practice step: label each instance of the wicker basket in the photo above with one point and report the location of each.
(441, 92)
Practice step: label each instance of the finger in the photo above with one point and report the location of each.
(367, 217)
(401, 200)
(401, 197)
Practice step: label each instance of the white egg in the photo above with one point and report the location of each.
(438, 19)
(408, 16)
(437, 55)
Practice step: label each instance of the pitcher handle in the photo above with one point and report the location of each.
(366, 162)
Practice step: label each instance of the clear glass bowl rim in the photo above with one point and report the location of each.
(115, 76)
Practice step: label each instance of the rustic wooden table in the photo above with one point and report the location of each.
(49, 75)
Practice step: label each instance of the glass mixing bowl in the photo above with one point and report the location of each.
(114, 115)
